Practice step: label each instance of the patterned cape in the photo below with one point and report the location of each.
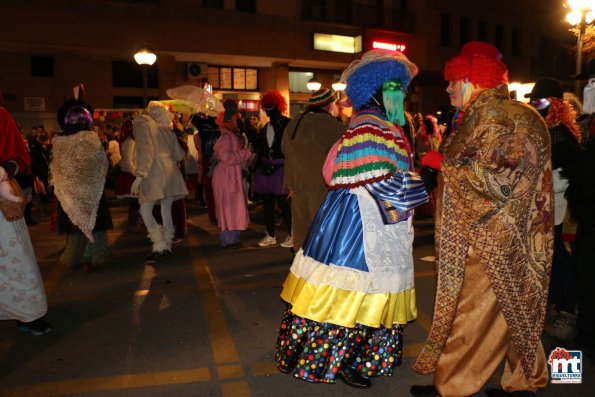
(497, 200)
(79, 167)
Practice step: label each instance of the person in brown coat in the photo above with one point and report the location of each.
(494, 237)
(305, 144)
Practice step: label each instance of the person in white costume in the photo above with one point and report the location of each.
(158, 177)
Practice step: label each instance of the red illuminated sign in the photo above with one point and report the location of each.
(380, 45)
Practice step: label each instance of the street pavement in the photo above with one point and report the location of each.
(203, 322)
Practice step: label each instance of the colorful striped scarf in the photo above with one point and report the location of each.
(371, 150)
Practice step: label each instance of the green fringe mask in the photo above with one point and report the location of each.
(393, 98)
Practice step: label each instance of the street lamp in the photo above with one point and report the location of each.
(145, 58)
(313, 84)
(582, 13)
(339, 86)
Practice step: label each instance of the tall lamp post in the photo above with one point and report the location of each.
(582, 13)
(145, 58)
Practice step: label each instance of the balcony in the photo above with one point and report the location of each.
(345, 12)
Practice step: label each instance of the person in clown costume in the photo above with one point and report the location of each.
(494, 237)
(350, 290)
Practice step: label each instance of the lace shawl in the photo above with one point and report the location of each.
(79, 167)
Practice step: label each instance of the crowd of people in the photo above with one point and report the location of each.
(509, 186)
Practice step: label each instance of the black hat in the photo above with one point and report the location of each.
(546, 87)
(588, 72)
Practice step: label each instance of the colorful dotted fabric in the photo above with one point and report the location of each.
(314, 351)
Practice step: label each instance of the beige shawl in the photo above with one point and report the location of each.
(79, 167)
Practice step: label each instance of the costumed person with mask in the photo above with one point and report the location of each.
(350, 291)
(267, 179)
(22, 293)
(494, 236)
(228, 186)
(547, 98)
(309, 137)
(158, 177)
(79, 167)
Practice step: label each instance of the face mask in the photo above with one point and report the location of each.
(393, 96)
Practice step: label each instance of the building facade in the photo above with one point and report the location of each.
(245, 47)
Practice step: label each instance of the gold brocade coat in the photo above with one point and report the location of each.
(495, 199)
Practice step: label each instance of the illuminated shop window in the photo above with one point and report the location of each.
(227, 78)
(251, 79)
(239, 79)
(213, 76)
(337, 43)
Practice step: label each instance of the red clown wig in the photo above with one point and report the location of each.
(478, 62)
(273, 99)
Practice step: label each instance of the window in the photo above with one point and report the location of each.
(463, 30)
(212, 3)
(482, 31)
(42, 66)
(298, 80)
(227, 78)
(499, 38)
(246, 5)
(128, 74)
(516, 42)
(445, 30)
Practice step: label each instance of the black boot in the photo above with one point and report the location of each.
(353, 378)
(424, 391)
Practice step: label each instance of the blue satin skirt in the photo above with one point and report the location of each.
(336, 234)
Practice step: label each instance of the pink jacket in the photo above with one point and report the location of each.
(228, 186)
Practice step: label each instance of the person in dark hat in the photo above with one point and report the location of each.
(309, 136)
(547, 98)
(493, 236)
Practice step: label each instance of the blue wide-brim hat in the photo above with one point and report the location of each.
(366, 75)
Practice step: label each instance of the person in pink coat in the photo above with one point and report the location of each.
(228, 187)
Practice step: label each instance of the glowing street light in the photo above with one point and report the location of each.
(145, 58)
(339, 85)
(313, 84)
(582, 13)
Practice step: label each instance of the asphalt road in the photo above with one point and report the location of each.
(201, 323)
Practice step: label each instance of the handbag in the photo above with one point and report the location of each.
(11, 210)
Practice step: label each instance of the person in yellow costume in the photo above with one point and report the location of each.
(350, 290)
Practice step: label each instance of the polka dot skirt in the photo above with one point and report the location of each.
(314, 351)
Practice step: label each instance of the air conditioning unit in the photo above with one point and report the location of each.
(196, 70)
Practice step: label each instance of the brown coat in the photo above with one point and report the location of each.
(305, 151)
(497, 202)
